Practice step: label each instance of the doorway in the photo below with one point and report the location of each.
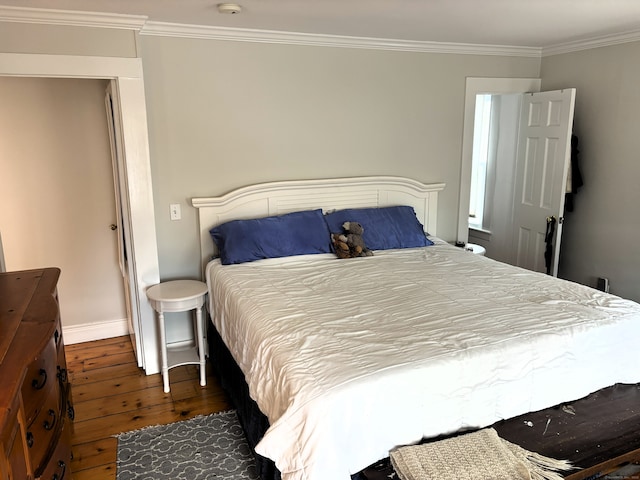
(126, 74)
(519, 175)
(57, 179)
(477, 86)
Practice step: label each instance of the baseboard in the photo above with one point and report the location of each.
(95, 331)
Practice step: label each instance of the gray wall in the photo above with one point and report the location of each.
(66, 40)
(600, 237)
(227, 114)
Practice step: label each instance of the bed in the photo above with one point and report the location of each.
(344, 360)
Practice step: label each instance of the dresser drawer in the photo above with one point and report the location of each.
(41, 433)
(13, 463)
(58, 466)
(35, 404)
(40, 381)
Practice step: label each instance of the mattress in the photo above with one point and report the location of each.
(351, 358)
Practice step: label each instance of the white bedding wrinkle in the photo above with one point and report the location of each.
(424, 341)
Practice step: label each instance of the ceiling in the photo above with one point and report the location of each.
(521, 23)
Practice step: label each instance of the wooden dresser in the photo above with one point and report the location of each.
(35, 397)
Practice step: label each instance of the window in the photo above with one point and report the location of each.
(480, 159)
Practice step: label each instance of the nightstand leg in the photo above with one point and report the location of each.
(163, 351)
(201, 352)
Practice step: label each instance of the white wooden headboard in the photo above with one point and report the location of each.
(330, 194)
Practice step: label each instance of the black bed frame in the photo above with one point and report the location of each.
(598, 433)
(253, 421)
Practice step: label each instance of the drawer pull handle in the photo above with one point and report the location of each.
(71, 412)
(62, 374)
(29, 439)
(63, 466)
(56, 337)
(46, 424)
(40, 382)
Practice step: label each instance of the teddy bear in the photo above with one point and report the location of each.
(350, 243)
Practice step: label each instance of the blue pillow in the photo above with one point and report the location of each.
(296, 233)
(384, 227)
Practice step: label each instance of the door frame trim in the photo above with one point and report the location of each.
(128, 75)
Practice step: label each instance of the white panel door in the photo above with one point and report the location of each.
(544, 156)
(123, 227)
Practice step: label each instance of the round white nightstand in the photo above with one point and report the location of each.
(475, 248)
(180, 296)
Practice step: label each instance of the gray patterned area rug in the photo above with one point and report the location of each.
(202, 448)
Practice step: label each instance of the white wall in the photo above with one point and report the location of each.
(600, 237)
(58, 192)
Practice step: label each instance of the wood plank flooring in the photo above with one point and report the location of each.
(112, 395)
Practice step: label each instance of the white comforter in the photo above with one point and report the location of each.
(350, 358)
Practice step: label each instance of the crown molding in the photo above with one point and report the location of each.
(293, 38)
(597, 42)
(146, 27)
(73, 18)
(142, 24)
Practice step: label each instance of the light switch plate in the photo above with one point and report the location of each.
(176, 214)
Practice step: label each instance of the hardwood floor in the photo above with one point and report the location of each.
(112, 395)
